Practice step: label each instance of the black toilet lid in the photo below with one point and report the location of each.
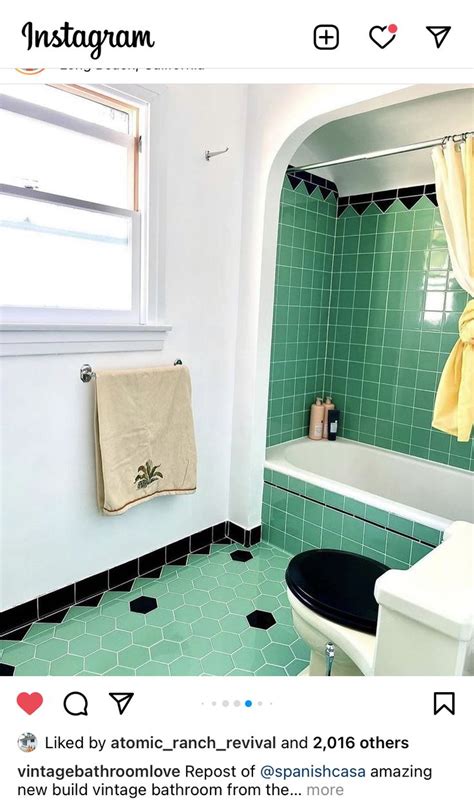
(337, 585)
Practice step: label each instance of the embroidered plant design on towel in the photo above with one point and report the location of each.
(147, 474)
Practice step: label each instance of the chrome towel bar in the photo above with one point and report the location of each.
(86, 374)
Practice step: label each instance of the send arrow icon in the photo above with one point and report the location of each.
(122, 699)
(440, 32)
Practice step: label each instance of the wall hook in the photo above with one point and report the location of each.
(208, 155)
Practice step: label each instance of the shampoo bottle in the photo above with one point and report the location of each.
(316, 420)
(328, 406)
(333, 422)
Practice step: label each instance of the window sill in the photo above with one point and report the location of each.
(37, 339)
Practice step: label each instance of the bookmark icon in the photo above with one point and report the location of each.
(444, 701)
(439, 32)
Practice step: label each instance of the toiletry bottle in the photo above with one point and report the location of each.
(328, 406)
(333, 422)
(316, 420)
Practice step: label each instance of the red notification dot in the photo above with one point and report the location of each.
(393, 28)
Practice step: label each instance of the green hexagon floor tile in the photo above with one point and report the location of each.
(198, 627)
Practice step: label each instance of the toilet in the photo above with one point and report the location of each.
(360, 618)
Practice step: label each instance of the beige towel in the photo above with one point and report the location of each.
(144, 436)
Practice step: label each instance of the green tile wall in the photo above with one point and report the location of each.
(297, 516)
(394, 314)
(302, 289)
(366, 310)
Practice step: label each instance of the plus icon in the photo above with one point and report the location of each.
(326, 37)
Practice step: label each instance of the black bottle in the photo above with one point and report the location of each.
(333, 422)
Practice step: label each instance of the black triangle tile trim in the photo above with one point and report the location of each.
(52, 608)
(409, 195)
(383, 199)
(384, 204)
(409, 202)
(295, 181)
(360, 207)
(312, 181)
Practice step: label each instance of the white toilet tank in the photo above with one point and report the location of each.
(426, 614)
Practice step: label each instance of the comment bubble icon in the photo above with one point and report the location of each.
(75, 704)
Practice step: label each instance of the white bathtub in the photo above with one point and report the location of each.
(422, 491)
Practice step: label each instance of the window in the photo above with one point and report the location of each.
(74, 192)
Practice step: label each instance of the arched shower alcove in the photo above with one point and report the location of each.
(269, 155)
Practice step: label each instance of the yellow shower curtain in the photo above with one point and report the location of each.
(453, 164)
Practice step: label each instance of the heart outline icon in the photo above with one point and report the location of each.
(381, 28)
(30, 703)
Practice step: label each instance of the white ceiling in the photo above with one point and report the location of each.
(424, 119)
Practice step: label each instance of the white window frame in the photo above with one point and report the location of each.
(50, 330)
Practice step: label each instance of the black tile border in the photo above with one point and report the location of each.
(246, 537)
(91, 586)
(352, 514)
(53, 607)
(408, 196)
(311, 182)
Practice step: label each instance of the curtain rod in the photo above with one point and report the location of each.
(413, 147)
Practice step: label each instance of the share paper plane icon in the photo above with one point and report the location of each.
(122, 699)
(440, 32)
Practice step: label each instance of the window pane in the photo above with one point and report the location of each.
(66, 102)
(50, 158)
(53, 256)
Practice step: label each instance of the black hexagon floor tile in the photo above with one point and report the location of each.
(261, 619)
(241, 556)
(143, 604)
(6, 669)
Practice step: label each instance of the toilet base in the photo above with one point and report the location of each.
(346, 668)
(352, 648)
(342, 664)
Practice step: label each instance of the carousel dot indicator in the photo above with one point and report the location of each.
(248, 703)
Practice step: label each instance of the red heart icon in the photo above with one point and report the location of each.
(29, 703)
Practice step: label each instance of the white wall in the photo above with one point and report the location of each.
(51, 531)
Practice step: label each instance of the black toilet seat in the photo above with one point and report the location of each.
(337, 585)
